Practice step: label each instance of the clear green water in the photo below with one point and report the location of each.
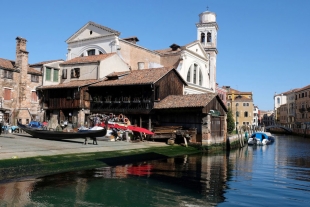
(274, 175)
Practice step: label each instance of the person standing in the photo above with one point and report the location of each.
(0, 127)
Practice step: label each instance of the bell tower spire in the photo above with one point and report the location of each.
(207, 36)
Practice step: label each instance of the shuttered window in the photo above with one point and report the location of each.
(55, 75)
(34, 97)
(48, 74)
(7, 94)
(35, 78)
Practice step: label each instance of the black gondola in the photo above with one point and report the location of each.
(59, 135)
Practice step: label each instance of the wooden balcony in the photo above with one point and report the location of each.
(61, 103)
(122, 106)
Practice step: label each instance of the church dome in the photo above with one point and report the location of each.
(207, 17)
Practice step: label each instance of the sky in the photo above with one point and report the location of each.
(263, 45)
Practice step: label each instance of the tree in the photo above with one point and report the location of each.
(230, 121)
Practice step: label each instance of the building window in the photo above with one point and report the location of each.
(35, 78)
(48, 74)
(200, 77)
(34, 97)
(7, 74)
(246, 114)
(75, 73)
(64, 74)
(7, 94)
(189, 75)
(140, 65)
(278, 100)
(194, 73)
(91, 52)
(209, 38)
(55, 75)
(202, 37)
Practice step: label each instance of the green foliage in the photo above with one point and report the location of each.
(230, 122)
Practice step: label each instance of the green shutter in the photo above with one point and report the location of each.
(55, 77)
(48, 74)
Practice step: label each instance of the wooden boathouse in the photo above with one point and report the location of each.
(135, 93)
(203, 115)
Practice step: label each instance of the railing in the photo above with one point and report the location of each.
(122, 103)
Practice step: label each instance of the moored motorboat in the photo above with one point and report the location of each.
(260, 138)
(59, 135)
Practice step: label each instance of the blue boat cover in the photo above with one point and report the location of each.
(260, 136)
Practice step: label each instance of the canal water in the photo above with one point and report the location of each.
(273, 175)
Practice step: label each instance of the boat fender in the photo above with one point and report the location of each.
(120, 116)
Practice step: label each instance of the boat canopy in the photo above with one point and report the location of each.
(260, 136)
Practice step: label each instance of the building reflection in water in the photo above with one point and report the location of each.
(16, 193)
(197, 177)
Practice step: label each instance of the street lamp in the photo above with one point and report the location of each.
(237, 114)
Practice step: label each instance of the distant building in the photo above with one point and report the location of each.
(282, 115)
(267, 118)
(256, 116)
(241, 104)
(302, 105)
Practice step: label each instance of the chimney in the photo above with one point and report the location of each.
(21, 61)
(174, 47)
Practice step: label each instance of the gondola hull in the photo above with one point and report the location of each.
(59, 135)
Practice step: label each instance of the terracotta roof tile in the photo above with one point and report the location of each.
(184, 101)
(296, 90)
(34, 71)
(231, 90)
(87, 59)
(168, 51)
(71, 84)
(136, 77)
(45, 62)
(10, 65)
(243, 99)
(7, 64)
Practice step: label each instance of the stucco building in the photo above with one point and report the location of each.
(241, 104)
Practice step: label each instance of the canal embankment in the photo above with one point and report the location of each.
(22, 155)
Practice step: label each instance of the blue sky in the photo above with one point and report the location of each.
(263, 45)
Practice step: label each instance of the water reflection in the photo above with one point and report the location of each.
(194, 180)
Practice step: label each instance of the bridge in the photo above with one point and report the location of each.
(278, 126)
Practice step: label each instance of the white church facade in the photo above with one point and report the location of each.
(196, 61)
